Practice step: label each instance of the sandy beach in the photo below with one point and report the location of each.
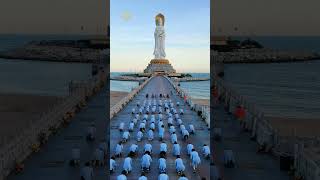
(303, 127)
(205, 102)
(17, 110)
(116, 96)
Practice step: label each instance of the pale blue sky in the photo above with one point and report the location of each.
(187, 26)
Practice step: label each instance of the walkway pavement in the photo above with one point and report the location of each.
(161, 85)
(250, 165)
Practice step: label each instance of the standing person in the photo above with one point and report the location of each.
(127, 164)
(125, 136)
(86, 172)
(185, 134)
(122, 176)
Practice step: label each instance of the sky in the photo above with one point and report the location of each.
(187, 26)
(54, 16)
(266, 17)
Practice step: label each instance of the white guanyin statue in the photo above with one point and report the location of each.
(159, 36)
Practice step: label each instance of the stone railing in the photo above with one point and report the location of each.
(37, 132)
(269, 137)
(124, 101)
(203, 110)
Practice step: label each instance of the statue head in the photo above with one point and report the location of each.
(160, 20)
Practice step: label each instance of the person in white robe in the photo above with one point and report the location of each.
(131, 126)
(174, 137)
(163, 176)
(181, 111)
(185, 134)
(152, 126)
(143, 176)
(146, 161)
(163, 148)
(148, 148)
(139, 136)
(125, 136)
(142, 126)
(121, 126)
(161, 132)
(162, 165)
(179, 165)
(133, 150)
(150, 135)
(127, 164)
(192, 130)
(206, 151)
(113, 164)
(122, 176)
(119, 148)
(176, 149)
(195, 159)
(189, 148)
(172, 129)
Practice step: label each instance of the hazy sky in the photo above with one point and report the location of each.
(53, 16)
(187, 25)
(266, 17)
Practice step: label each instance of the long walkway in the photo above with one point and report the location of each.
(249, 165)
(52, 162)
(161, 85)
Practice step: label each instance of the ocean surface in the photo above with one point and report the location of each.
(124, 86)
(197, 89)
(284, 89)
(36, 77)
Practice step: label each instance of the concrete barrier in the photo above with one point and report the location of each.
(202, 109)
(124, 101)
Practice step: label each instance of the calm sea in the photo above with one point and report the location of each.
(284, 89)
(36, 77)
(198, 89)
